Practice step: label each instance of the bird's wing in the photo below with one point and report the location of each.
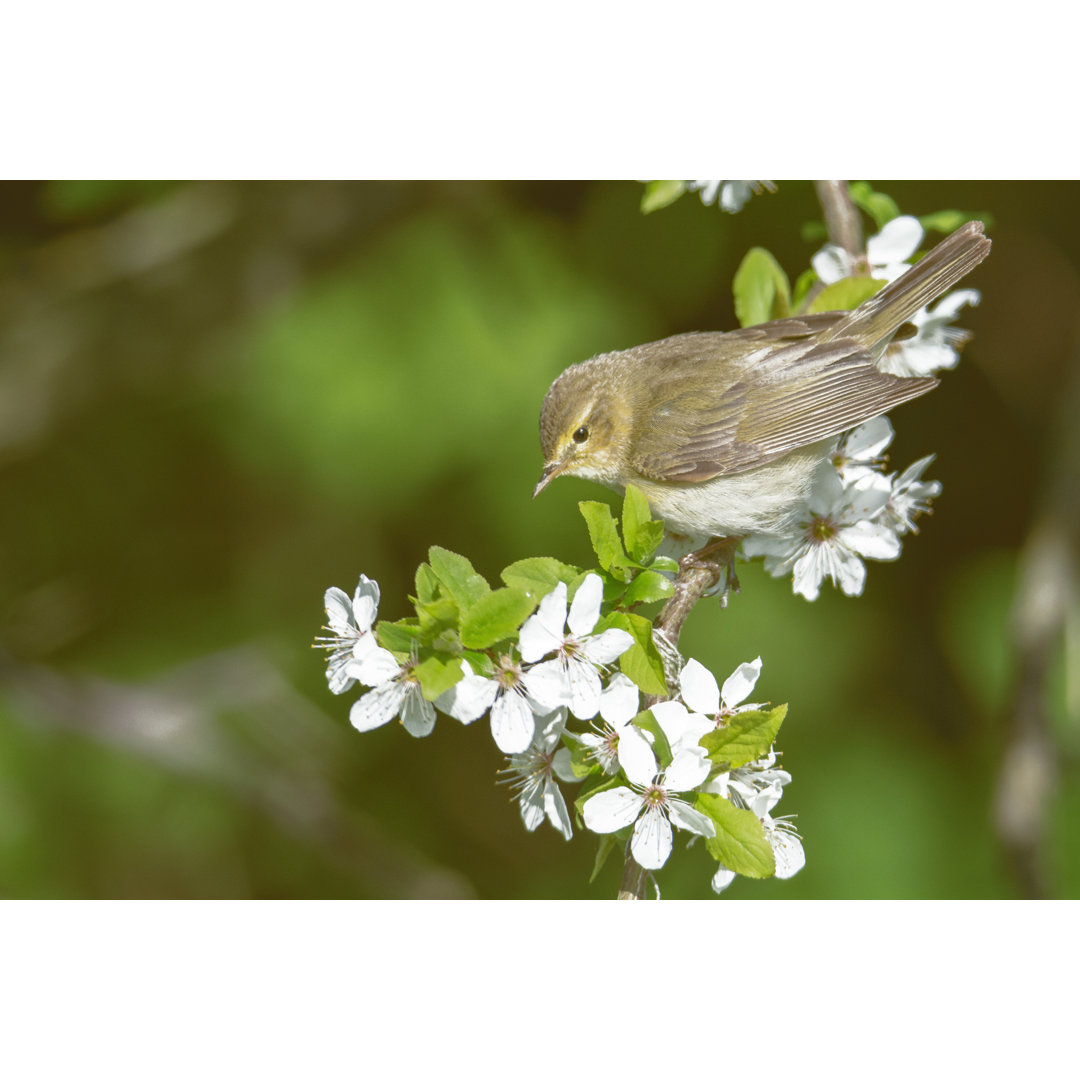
(774, 399)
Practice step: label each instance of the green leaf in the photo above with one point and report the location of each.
(604, 536)
(744, 737)
(641, 534)
(496, 616)
(803, 284)
(662, 562)
(661, 193)
(661, 747)
(641, 662)
(399, 637)
(762, 292)
(846, 294)
(458, 577)
(608, 843)
(427, 584)
(538, 576)
(647, 588)
(437, 615)
(947, 221)
(740, 842)
(581, 763)
(880, 207)
(437, 674)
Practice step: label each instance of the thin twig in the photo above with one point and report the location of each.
(841, 217)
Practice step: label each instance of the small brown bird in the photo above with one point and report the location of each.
(724, 432)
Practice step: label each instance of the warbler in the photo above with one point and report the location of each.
(724, 432)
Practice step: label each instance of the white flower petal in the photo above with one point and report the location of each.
(740, 683)
(532, 806)
(686, 817)
(378, 667)
(365, 602)
(542, 632)
(636, 757)
(337, 674)
(651, 843)
(722, 878)
(377, 707)
(549, 729)
(896, 243)
(849, 572)
(607, 647)
(563, 767)
(585, 609)
(584, 688)
(619, 700)
(555, 808)
(688, 768)
(417, 714)
(869, 439)
(548, 684)
(512, 723)
(611, 810)
(469, 698)
(809, 572)
(787, 851)
(338, 611)
(698, 688)
(830, 264)
(871, 540)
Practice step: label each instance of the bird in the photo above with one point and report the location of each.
(723, 432)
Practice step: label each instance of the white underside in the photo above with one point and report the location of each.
(762, 500)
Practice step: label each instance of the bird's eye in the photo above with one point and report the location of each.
(581, 434)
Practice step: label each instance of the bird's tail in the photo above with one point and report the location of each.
(874, 321)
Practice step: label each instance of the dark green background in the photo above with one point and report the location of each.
(218, 399)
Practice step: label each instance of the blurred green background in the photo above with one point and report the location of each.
(217, 399)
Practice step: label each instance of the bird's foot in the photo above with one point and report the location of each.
(717, 557)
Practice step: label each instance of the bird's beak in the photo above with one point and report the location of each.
(551, 470)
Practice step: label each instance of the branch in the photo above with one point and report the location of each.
(841, 216)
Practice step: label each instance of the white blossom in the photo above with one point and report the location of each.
(860, 452)
(572, 678)
(513, 712)
(733, 194)
(841, 527)
(395, 690)
(910, 496)
(936, 345)
(887, 254)
(617, 742)
(651, 804)
(349, 623)
(532, 776)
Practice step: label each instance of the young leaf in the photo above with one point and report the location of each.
(762, 292)
(740, 842)
(538, 576)
(661, 747)
(879, 206)
(641, 662)
(846, 294)
(641, 534)
(647, 588)
(661, 193)
(458, 577)
(604, 536)
(437, 674)
(745, 737)
(803, 284)
(582, 764)
(947, 221)
(427, 584)
(398, 637)
(606, 846)
(496, 616)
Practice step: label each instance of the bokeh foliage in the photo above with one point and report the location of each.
(218, 399)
